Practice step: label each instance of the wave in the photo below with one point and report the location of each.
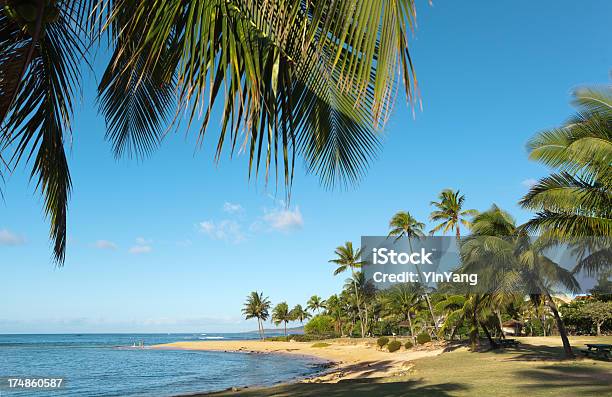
(212, 337)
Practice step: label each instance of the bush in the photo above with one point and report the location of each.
(320, 344)
(382, 341)
(394, 346)
(320, 325)
(423, 338)
(408, 345)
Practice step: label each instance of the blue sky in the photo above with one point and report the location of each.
(175, 243)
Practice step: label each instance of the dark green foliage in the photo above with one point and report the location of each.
(408, 345)
(394, 346)
(382, 341)
(423, 338)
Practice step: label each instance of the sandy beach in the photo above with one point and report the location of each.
(349, 359)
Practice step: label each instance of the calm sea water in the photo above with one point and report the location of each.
(109, 365)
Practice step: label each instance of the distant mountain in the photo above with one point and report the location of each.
(293, 330)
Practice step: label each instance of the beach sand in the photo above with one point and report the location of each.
(350, 359)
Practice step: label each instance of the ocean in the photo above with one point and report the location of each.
(115, 365)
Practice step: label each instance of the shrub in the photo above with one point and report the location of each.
(382, 341)
(408, 345)
(423, 338)
(394, 346)
(320, 344)
(320, 325)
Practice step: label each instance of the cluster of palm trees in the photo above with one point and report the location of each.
(573, 207)
(257, 306)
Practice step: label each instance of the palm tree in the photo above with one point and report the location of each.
(402, 224)
(576, 201)
(299, 314)
(299, 82)
(511, 261)
(281, 314)
(404, 299)
(334, 309)
(256, 306)
(315, 303)
(450, 213)
(349, 258)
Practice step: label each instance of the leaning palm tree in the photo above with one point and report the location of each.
(450, 213)
(315, 303)
(404, 225)
(576, 201)
(299, 314)
(256, 306)
(293, 79)
(281, 314)
(509, 261)
(348, 258)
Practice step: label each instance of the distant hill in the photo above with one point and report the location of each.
(293, 330)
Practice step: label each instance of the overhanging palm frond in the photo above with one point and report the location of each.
(313, 78)
(38, 118)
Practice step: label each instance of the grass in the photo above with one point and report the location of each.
(535, 368)
(321, 344)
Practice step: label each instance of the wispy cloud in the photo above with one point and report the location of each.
(9, 238)
(105, 245)
(142, 246)
(140, 249)
(226, 230)
(232, 208)
(284, 219)
(529, 182)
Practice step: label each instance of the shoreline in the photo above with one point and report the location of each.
(344, 359)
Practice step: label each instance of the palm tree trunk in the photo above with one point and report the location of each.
(285, 330)
(488, 334)
(358, 305)
(433, 317)
(561, 326)
(411, 329)
(501, 324)
(544, 323)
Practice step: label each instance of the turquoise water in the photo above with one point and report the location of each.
(109, 365)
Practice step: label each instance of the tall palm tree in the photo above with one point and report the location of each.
(307, 80)
(256, 306)
(512, 262)
(450, 213)
(299, 314)
(404, 225)
(576, 201)
(347, 258)
(315, 303)
(281, 314)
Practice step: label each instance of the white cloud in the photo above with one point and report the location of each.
(9, 238)
(142, 246)
(529, 183)
(140, 249)
(105, 245)
(143, 241)
(227, 230)
(232, 208)
(284, 219)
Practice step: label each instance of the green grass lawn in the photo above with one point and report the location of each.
(535, 368)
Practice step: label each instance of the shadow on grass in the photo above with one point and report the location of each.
(351, 388)
(528, 352)
(589, 379)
